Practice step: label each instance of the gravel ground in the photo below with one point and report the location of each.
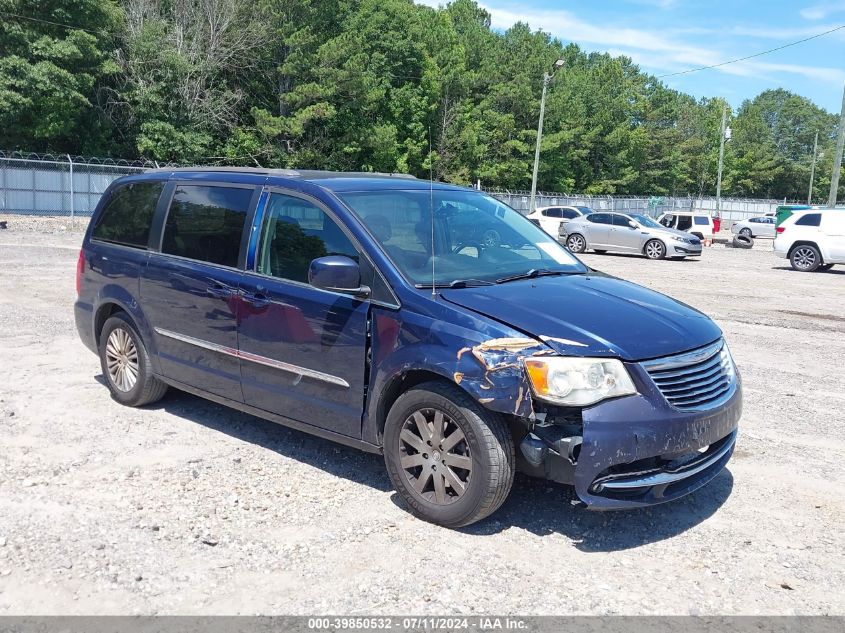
(186, 507)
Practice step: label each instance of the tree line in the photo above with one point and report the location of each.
(381, 85)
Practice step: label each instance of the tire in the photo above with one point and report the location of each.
(654, 249)
(746, 232)
(491, 238)
(742, 241)
(485, 445)
(805, 258)
(599, 251)
(122, 347)
(576, 243)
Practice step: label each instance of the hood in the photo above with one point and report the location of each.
(592, 315)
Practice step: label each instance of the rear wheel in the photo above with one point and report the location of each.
(126, 364)
(576, 243)
(451, 460)
(805, 258)
(655, 249)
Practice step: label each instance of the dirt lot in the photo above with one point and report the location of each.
(187, 507)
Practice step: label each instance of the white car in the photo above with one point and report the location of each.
(699, 223)
(550, 218)
(813, 239)
(755, 227)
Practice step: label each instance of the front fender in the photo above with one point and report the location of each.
(482, 357)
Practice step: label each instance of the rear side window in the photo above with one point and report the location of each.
(552, 213)
(127, 216)
(206, 223)
(569, 213)
(700, 219)
(811, 219)
(599, 218)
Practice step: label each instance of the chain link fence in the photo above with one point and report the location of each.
(732, 209)
(44, 184)
(63, 185)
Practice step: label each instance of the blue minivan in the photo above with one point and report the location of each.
(427, 322)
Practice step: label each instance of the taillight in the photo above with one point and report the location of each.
(80, 268)
(780, 229)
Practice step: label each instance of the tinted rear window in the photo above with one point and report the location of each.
(128, 214)
(599, 218)
(206, 223)
(811, 219)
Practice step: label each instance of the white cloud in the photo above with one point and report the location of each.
(821, 11)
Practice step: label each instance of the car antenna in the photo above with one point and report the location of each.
(431, 208)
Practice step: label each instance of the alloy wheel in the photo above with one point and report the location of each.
(575, 243)
(654, 250)
(435, 456)
(122, 359)
(804, 258)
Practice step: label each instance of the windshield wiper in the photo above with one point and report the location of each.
(459, 283)
(531, 274)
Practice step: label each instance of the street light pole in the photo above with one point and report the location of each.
(547, 78)
(837, 159)
(721, 158)
(813, 169)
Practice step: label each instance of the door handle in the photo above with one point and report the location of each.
(218, 291)
(257, 299)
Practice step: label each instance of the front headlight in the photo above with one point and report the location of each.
(578, 382)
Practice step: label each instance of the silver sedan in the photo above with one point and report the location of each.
(627, 233)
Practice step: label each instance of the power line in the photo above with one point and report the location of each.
(742, 59)
(50, 22)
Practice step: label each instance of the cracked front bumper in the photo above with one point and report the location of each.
(640, 451)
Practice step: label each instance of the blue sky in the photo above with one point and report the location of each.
(668, 36)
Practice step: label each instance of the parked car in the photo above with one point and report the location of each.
(343, 306)
(812, 239)
(699, 223)
(551, 218)
(755, 227)
(628, 233)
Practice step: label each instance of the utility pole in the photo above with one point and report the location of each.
(837, 159)
(813, 169)
(547, 78)
(721, 157)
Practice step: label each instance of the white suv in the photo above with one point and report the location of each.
(813, 239)
(550, 218)
(699, 223)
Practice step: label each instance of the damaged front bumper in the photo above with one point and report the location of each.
(637, 450)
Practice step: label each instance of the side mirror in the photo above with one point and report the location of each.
(337, 273)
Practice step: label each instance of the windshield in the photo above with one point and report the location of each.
(644, 220)
(472, 238)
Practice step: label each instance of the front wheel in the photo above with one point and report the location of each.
(126, 364)
(576, 243)
(451, 461)
(655, 249)
(805, 258)
(746, 232)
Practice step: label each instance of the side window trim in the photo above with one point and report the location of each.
(163, 210)
(258, 224)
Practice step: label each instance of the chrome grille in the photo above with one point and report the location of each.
(697, 380)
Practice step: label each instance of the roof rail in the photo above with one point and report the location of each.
(305, 174)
